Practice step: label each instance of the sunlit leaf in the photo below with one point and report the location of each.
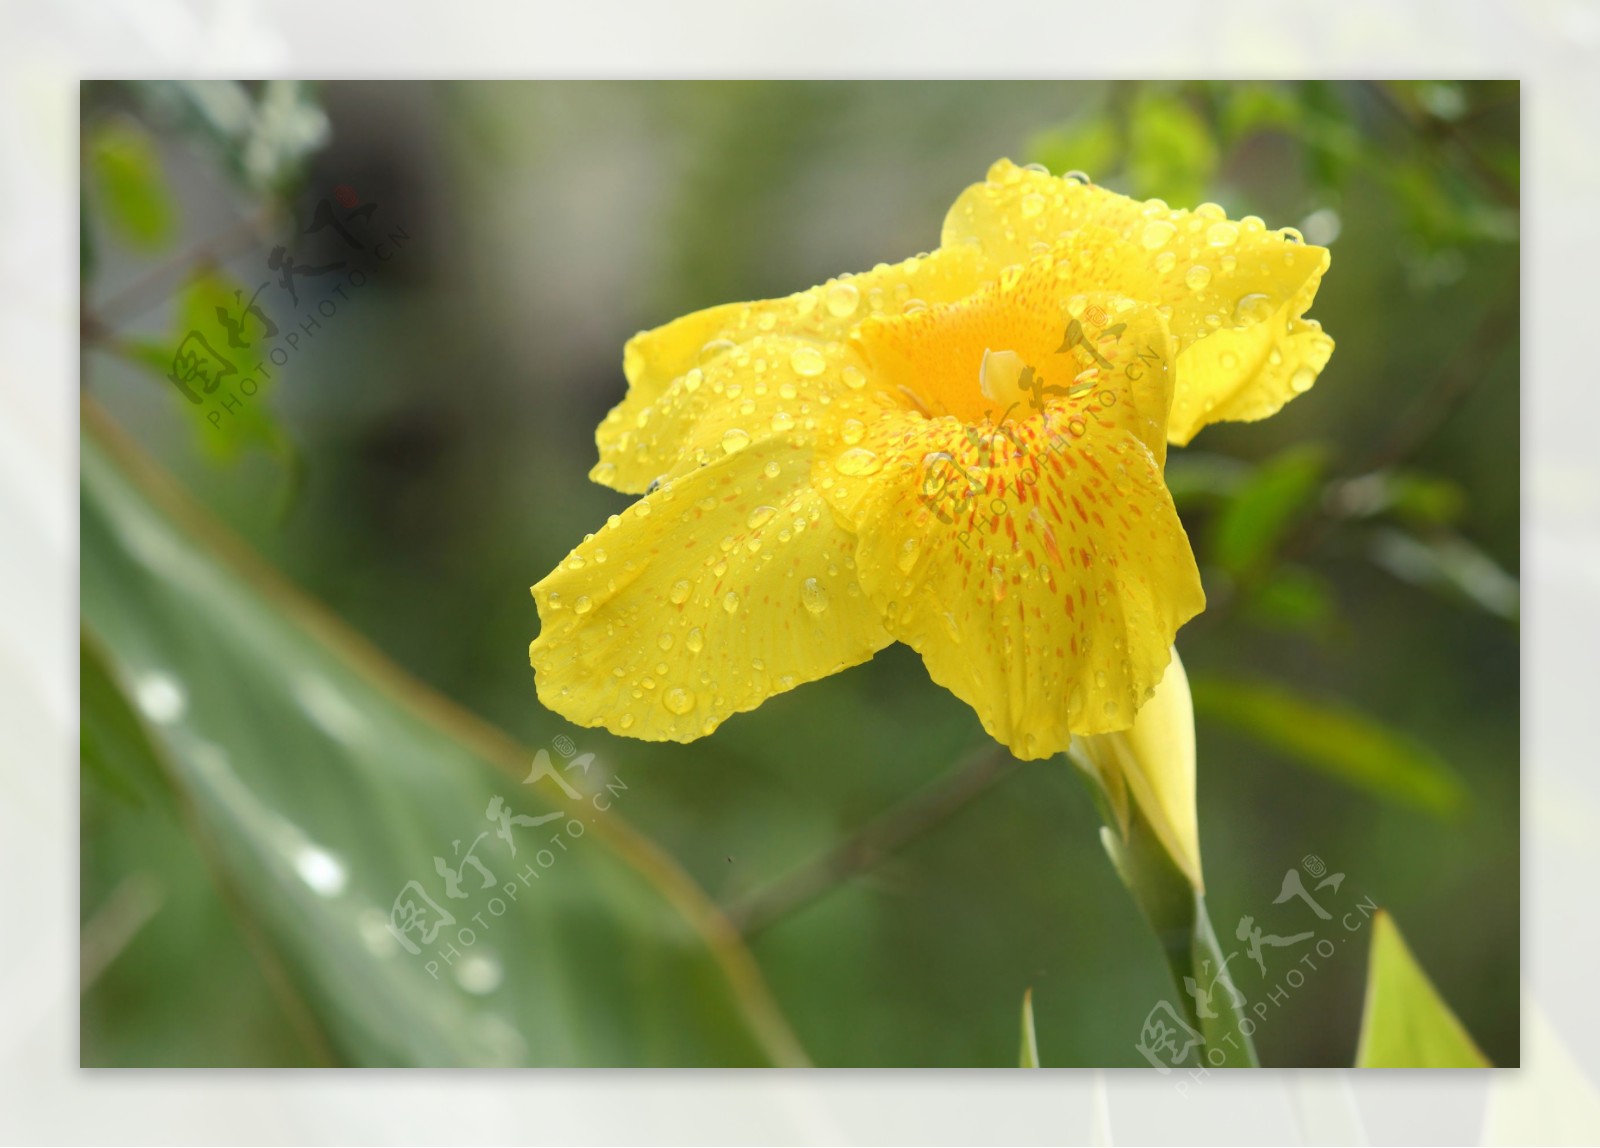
(1250, 527)
(320, 782)
(131, 191)
(1029, 1057)
(1405, 1022)
(1171, 152)
(1335, 739)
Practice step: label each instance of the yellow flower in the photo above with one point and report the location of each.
(962, 451)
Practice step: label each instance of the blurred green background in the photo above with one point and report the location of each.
(421, 459)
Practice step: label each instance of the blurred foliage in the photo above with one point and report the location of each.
(1405, 1023)
(1359, 553)
(311, 772)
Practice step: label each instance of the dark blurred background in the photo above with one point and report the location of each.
(422, 460)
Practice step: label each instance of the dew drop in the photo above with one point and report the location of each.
(582, 605)
(854, 378)
(1166, 261)
(665, 642)
(807, 361)
(907, 558)
(695, 641)
(1300, 382)
(678, 700)
(1198, 276)
(843, 299)
(680, 592)
(625, 721)
(730, 602)
(714, 348)
(857, 461)
(1253, 308)
(1157, 233)
(760, 516)
(692, 380)
(813, 596)
(1079, 177)
(772, 469)
(853, 431)
(1222, 234)
(1032, 205)
(734, 440)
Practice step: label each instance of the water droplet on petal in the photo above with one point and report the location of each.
(772, 469)
(1300, 382)
(853, 431)
(1253, 308)
(679, 701)
(625, 721)
(665, 642)
(857, 461)
(813, 596)
(582, 605)
(680, 592)
(730, 602)
(843, 299)
(1166, 261)
(782, 421)
(1080, 177)
(1222, 234)
(854, 378)
(693, 379)
(907, 558)
(807, 361)
(760, 516)
(734, 440)
(1032, 205)
(714, 348)
(1198, 276)
(1157, 233)
(695, 641)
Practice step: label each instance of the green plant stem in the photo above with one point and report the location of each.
(1176, 911)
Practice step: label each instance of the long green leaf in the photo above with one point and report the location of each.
(320, 782)
(1335, 739)
(1029, 1056)
(1405, 1023)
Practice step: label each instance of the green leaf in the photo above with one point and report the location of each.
(1171, 153)
(1293, 599)
(1405, 1022)
(112, 746)
(1029, 1057)
(1090, 144)
(1250, 108)
(1334, 739)
(130, 188)
(1450, 564)
(1247, 532)
(320, 782)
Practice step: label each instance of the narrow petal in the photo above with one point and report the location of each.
(1038, 566)
(722, 588)
(1236, 291)
(668, 367)
(1155, 760)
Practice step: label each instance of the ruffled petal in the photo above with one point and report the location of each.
(722, 588)
(1236, 291)
(674, 372)
(1038, 565)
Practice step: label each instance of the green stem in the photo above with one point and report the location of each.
(1176, 911)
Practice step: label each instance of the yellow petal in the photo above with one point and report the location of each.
(722, 588)
(1155, 762)
(1038, 565)
(680, 372)
(1237, 292)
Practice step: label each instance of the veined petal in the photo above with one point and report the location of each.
(1038, 566)
(720, 589)
(668, 368)
(1236, 291)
